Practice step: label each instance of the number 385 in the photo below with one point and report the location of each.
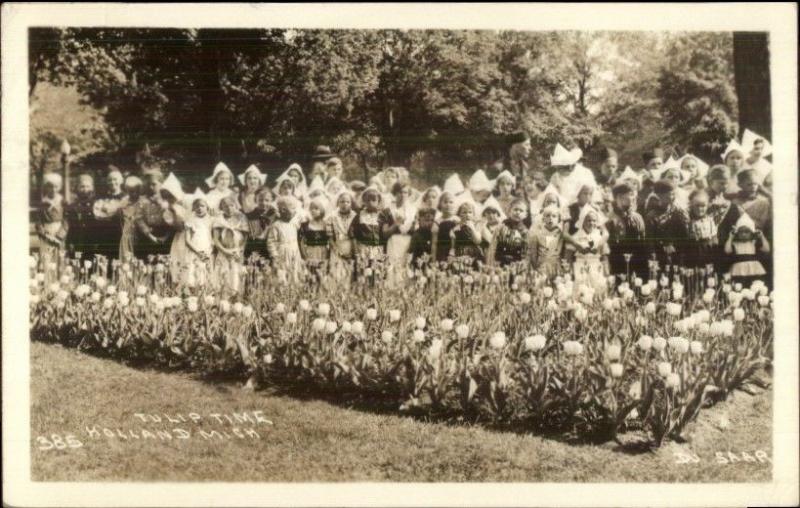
(57, 442)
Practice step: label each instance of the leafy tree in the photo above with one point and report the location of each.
(696, 91)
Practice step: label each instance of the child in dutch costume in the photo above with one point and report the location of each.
(366, 232)
(313, 237)
(338, 225)
(282, 243)
(229, 232)
(466, 238)
(398, 219)
(511, 240)
(51, 226)
(133, 190)
(590, 252)
(492, 217)
(743, 245)
(195, 243)
(546, 242)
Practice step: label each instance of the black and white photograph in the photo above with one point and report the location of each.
(272, 251)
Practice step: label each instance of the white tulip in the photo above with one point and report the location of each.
(330, 327)
(613, 352)
(318, 325)
(738, 314)
(446, 325)
(497, 340)
(650, 308)
(418, 335)
(664, 369)
(237, 308)
(646, 290)
(525, 298)
(358, 328)
(192, 306)
(645, 342)
(420, 322)
(673, 380)
(573, 348)
(247, 311)
(659, 343)
(224, 306)
(435, 349)
(387, 336)
(616, 370)
(347, 327)
(280, 308)
(394, 316)
(304, 305)
(535, 342)
(291, 318)
(462, 331)
(323, 309)
(371, 314)
(95, 297)
(547, 292)
(696, 347)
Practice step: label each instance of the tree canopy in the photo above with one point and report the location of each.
(190, 97)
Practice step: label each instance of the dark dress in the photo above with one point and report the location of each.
(421, 245)
(511, 243)
(258, 222)
(465, 248)
(83, 227)
(726, 214)
(446, 226)
(109, 229)
(626, 235)
(669, 228)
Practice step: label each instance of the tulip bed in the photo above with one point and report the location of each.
(506, 347)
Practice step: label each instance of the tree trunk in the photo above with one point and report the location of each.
(751, 72)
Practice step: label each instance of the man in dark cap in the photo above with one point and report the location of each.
(626, 234)
(322, 154)
(667, 225)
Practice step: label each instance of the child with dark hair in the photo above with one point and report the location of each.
(466, 239)
(447, 222)
(366, 231)
(626, 234)
(702, 232)
(423, 246)
(511, 239)
(667, 225)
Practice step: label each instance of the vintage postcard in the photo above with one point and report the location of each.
(400, 254)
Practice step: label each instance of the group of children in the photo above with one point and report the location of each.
(591, 223)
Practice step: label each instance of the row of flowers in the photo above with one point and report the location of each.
(553, 356)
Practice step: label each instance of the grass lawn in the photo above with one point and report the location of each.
(318, 440)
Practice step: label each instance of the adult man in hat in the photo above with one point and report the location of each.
(322, 154)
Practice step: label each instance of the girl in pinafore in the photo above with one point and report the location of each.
(504, 189)
(252, 181)
(229, 232)
(492, 217)
(744, 244)
(702, 232)
(341, 245)
(192, 244)
(365, 231)
(282, 245)
(466, 238)
(50, 224)
(314, 241)
(398, 220)
(175, 215)
(510, 243)
(546, 242)
(591, 251)
(133, 189)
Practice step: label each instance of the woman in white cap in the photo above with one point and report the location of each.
(504, 190)
(221, 184)
(51, 227)
(133, 190)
